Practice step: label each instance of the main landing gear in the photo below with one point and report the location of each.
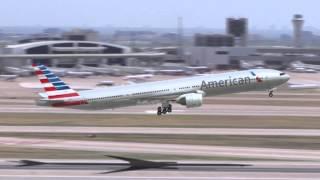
(164, 109)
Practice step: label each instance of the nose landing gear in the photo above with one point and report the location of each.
(271, 94)
(164, 109)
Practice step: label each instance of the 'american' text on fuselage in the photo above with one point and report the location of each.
(225, 83)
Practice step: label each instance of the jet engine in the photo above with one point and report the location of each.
(190, 100)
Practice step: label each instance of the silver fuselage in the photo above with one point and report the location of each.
(169, 90)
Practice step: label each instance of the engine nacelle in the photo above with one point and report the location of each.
(190, 100)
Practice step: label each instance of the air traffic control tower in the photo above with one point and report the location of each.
(297, 22)
(238, 28)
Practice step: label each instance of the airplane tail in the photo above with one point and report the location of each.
(56, 91)
(52, 85)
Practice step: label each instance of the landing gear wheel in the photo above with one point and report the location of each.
(164, 110)
(159, 112)
(271, 94)
(169, 108)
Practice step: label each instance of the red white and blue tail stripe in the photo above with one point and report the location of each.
(53, 86)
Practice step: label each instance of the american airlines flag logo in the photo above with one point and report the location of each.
(55, 88)
(258, 79)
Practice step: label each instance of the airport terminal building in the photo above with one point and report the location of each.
(225, 51)
(66, 47)
(231, 57)
(221, 52)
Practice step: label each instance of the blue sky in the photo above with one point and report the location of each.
(156, 13)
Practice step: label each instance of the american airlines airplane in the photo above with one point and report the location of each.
(185, 91)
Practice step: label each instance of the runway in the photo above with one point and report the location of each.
(235, 110)
(268, 163)
(164, 149)
(243, 104)
(158, 175)
(166, 131)
(257, 170)
(205, 168)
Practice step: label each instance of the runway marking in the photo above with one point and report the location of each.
(172, 149)
(270, 177)
(212, 109)
(150, 112)
(162, 130)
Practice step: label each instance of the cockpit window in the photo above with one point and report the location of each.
(281, 74)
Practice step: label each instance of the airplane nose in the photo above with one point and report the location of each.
(285, 77)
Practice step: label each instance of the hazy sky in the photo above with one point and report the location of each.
(156, 13)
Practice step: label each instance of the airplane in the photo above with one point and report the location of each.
(303, 86)
(58, 71)
(252, 64)
(299, 66)
(105, 83)
(171, 72)
(303, 70)
(98, 70)
(138, 78)
(114, 70)
(17, 71)
(126, 70)
(172, 69)
(199, 69)
(188, 91)
(79, 74)
(8, 77)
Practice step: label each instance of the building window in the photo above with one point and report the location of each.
(63, 45)
(38, 50)
(87, 45)
(77, 37)
(222, 52)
